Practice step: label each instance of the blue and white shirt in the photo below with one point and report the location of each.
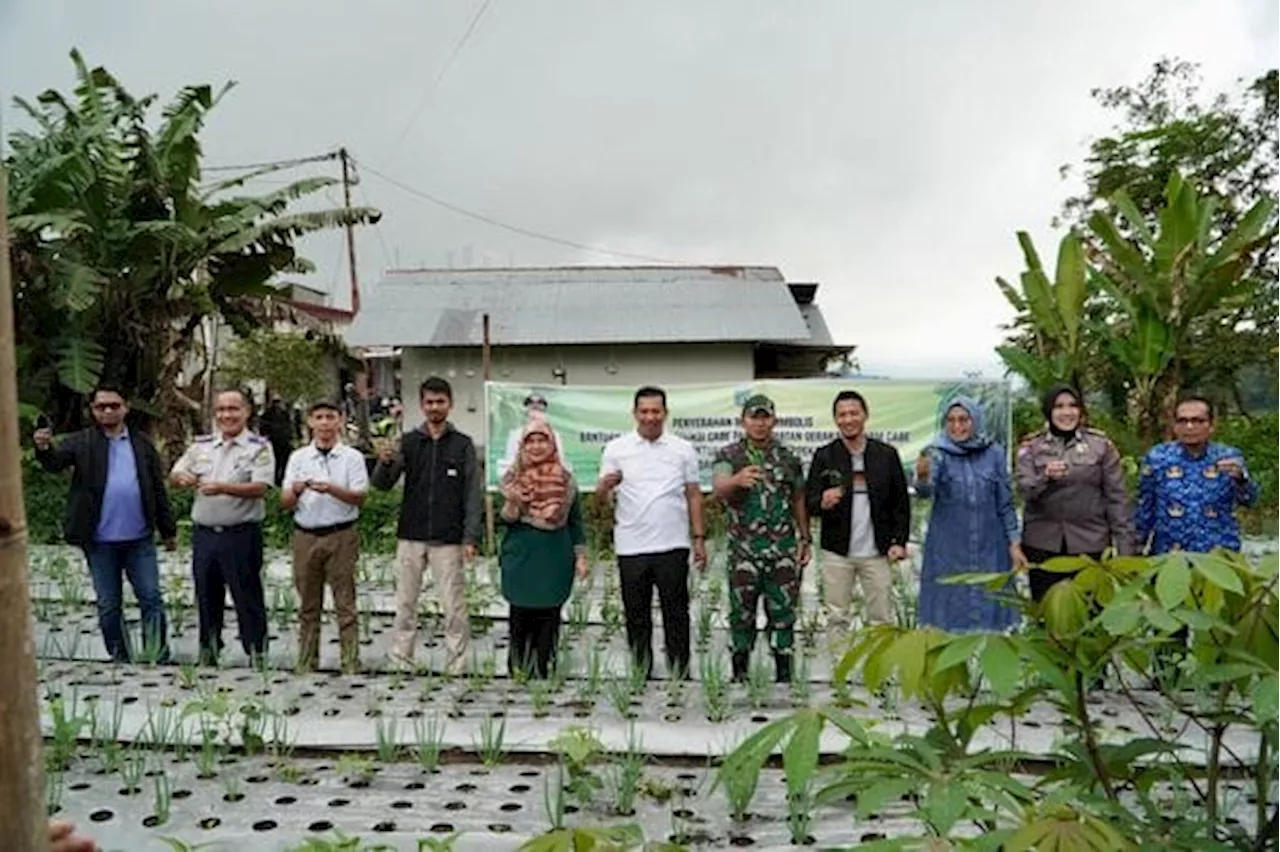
(1186, 503)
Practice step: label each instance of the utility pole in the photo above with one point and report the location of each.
(22, 809)
(486, 360)
(348, 178)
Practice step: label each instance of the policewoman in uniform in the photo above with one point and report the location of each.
(231, 472)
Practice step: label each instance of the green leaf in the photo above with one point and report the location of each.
(80, 363)
(1065, 609)
(1069, 288)
(958, 650)
(1266, 698)
(1121, 618)
(800, 757)
(1001, 666)
(1173, 583)
(1218, 571)
(945, 804)
(873, 799)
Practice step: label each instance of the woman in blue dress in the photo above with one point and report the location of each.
(972, 528)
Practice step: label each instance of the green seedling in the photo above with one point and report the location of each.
(162, 798)
(553, 798)
(355, 770)
(132, 769)
(801, 689)
(539, 697)
(489, 746)
(578, 749)
(385, 731)
(619, 692)
(54, 785)
(624, 774)
(715, 687)
(187, 676)
(706, 623)
(759, 681)
(429, 736)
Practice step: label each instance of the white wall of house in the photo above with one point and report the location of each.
(630, 365)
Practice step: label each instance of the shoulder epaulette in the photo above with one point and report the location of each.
(257, 439)
(1093, 431)
(204, 439)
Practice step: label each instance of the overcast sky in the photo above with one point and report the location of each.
(887, 151)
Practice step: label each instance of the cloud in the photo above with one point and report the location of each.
(887, 152)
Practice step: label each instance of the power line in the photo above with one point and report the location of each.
(377, 228)
(273, 165)
(440, 75)
(516, 229)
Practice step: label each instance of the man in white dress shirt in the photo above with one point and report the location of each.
(324, 484)
(659, 511)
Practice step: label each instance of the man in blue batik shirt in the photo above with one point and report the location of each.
(1190, 487)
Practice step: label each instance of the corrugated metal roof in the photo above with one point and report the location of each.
(577, 305)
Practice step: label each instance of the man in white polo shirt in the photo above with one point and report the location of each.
(658, 512)
(324, 484)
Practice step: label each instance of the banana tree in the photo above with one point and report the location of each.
(120, 251)
(1163, 281)
(1053, 311)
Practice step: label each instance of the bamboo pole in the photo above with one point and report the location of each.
(22, 809)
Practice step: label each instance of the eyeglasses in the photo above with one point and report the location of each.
(107, 406)
(1191, 421)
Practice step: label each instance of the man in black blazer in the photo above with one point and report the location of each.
(116, 505)
(857, 486)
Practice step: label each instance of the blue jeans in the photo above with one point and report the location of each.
(108, 564)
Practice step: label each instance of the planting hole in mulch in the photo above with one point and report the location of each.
(256, 779)
(181, 794)
(331, 712)
(402, 805)
(320, 825)
(741, 840)
(1031, 723)
(286, 800)
(339, 803)
(683, 813)
(530, 773)
(441, 828)
(130, 791)
(209, 823)
(306, 693)
(372, 712)
(466, 788)
(415, 785)
(101, 815)
(518, 788)
(670, 717)
(345, 696)
(759, 719)
(264, 825)
(413, 714)
(129, 699)
(570, 809)
(499, 827)
(872, 837)
(233, 797)
(455, 806)
(510, 807)
(78, 787)
(384, 827)
(151, 821)
(291, 711)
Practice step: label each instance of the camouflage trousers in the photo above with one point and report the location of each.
(774, 578)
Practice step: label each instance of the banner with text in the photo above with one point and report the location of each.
(904, 413)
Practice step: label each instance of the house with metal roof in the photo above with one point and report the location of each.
(588, 325)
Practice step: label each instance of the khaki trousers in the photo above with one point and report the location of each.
(317, 560)
(873, 574)
(445, 562)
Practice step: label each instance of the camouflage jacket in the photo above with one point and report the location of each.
(760, 520)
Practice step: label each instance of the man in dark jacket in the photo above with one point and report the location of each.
(440, 522)
(116, 505)
(857, 486)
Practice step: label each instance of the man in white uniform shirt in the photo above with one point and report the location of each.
(324, 484)
(659, 502)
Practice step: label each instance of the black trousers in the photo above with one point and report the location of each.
(669, 571)
(229, 558)
(1041, 580)
(534, 633)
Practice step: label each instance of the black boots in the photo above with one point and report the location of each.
(741, 660)
(783, 663)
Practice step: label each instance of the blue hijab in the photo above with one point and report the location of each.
(979, 440)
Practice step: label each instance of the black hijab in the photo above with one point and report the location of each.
(1051, 397)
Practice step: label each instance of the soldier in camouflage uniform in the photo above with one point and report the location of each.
(762, 483)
